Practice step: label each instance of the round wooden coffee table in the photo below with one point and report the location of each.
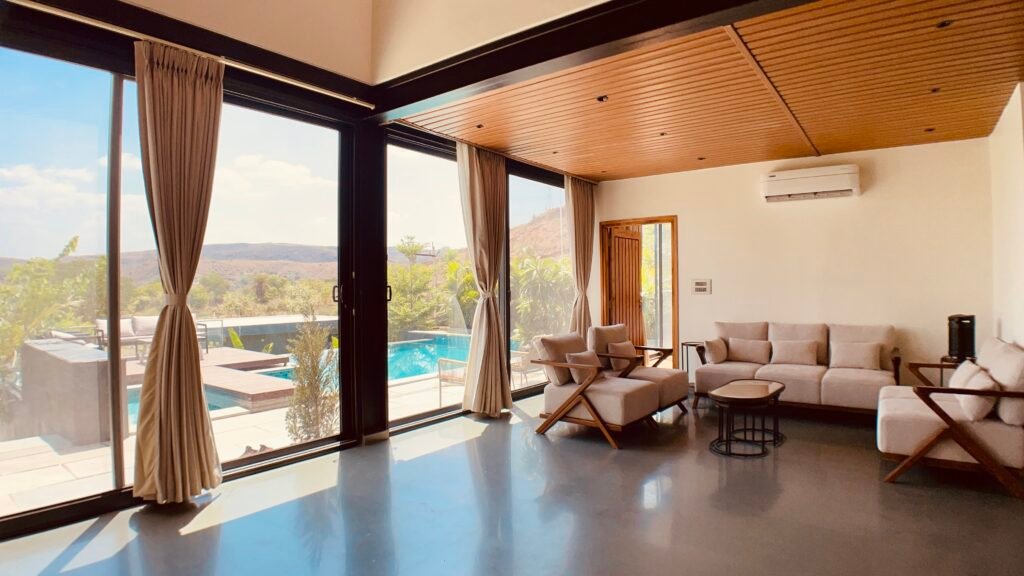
(747, 399)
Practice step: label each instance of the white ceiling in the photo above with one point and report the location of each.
(366, 40)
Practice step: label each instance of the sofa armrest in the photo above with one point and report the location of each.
(702, 354)
(915, 369)
(897, 361)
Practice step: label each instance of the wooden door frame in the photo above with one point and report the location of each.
(604, 229)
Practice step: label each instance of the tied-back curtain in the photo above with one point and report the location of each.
(180, 95)
(483, 184)
(579, 198)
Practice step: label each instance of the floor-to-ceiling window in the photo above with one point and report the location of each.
(431, 287)
(541, 287)
(55, 419)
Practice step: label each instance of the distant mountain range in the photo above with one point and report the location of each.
(545, 236)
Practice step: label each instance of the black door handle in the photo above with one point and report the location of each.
(336, 294)
(389, 293)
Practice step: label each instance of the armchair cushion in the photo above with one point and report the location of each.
(619, 401)
(795, 352)
(145, 325)
(126, 327)
(712, 376)
(717, 352)
(862, 355)
(855, 388)
(589, 357)
(743, 350)
(554, 348)
(978, 407)
(803, 383)
(621, 349)
(673, 385)
(598, 338)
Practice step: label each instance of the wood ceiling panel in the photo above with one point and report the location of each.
(862, 74)
(830, 76)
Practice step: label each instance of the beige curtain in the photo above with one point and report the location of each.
(180, 97)
(484, 187)
(579, 198)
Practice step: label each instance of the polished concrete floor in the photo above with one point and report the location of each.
(469, 497)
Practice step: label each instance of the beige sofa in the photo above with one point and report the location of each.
(817, 380)
(978, 418)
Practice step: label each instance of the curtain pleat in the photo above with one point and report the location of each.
(579, 198)
(180, 95)
(483, 184)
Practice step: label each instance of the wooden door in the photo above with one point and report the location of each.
(624, 303)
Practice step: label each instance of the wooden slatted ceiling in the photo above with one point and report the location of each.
(835, 75)
(861, 74)
(699, 91)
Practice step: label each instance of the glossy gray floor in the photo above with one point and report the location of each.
(468, 497)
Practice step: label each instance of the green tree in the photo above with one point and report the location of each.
(542, 296)
(314, 411)
(410, 248)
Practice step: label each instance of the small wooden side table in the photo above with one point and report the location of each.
(748, 398)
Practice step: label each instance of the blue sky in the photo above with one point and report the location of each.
(275, 180)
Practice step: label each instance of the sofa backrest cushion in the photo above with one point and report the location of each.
(883, 334)
(978, 407)
(555, 348)
(860, 355)
(743, 350)
(145, 325)
(1005, 363)
(744, 330)
(990, 348)
(621, 349)
(803, 352)
(599, 337)
(126, 327)
(588, 358)
(816, 332)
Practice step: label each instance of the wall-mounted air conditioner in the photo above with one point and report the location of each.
(825, 182)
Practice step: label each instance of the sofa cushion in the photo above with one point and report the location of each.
(145, 325)
(990, 348)
(743, 350)
(587, 358)
(854, 387)
(795, 352)
(745, 330)
(598, 338)
(978, 407)
(126, 327)
(863, 355)
(1008, 370)
(883, 334)
(673, 385)
(963, 374)
(905, 423)
(803, 383)
(554, 348)
(618, 400)
(717, 351)
(815, 332)
(712, 376)
(621, 349)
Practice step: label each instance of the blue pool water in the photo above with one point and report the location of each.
(214, 401)
(414, 357)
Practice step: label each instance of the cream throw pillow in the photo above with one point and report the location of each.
(862, 355)
(716, 351)
(1007, 370)
(743, 350)
(795, 352)
(589, 358)
(621, 349)
(978, 407)
(963, 374)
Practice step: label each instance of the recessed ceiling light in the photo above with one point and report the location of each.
(479, 125)
(701, 158)
(555, 152)
(663, 133)
(602, 98)
(604, 171)
(929, 129)
(944, 24)
(936, 90)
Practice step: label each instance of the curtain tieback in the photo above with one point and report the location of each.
(177, 299)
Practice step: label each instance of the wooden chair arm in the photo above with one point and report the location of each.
(566, 365)
(662, 353)
(923, 391)
(915, 369)
(619, 356)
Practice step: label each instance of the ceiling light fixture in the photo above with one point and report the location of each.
(936, 90)
(944, 24)
(663, 133)
(701, 158)
(929, 129)
(602, 98)
(479, 125)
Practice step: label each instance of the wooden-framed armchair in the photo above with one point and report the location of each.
(955, 440)
(673, 384)
(582, 392)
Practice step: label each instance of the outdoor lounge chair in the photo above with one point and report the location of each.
(583, 393)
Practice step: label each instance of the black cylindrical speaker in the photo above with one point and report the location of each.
(961, 336)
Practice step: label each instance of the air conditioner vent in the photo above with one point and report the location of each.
(811, 183)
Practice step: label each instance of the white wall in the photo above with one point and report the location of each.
(334, 34)
(914, 248)
(1006, 153)
(410, 34)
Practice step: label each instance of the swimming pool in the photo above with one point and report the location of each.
(413, 357)
(214, 401)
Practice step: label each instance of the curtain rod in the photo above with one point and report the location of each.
(226, 61)
(493, 151)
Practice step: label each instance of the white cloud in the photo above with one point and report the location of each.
(129, 162)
